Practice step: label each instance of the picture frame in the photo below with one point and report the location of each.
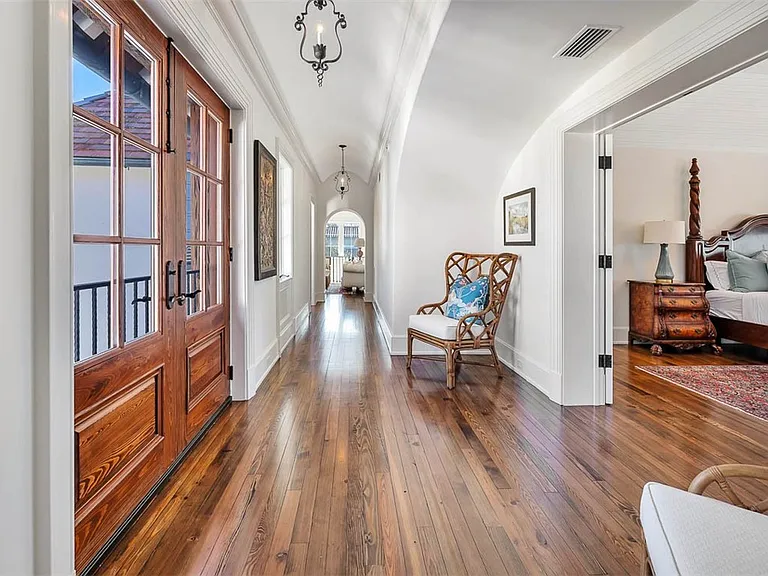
(265, 211)
(519, 218)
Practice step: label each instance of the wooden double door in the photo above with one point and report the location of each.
(151, 262)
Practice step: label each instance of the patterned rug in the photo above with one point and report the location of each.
(742, 387)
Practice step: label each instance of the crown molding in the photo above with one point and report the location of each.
(415, 40)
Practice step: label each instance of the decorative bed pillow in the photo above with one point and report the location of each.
(747, 275)
(717, 274)
(761, 256)
(469, 298)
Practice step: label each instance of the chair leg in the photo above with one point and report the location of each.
(450, 367)
(496, 363)
(409, 356)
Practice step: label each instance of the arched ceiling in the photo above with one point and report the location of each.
(351, 107)
(491, 80)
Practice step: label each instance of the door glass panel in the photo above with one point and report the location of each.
(94, 299)
(91, 60)
(138, 91)
(194, 207)
(193, 279)
(140, 293)
(213, 211)
(94, 196)
(212, 276)
(213, 151)
(139, 194)
(194, 132)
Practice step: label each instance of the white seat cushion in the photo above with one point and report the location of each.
(353, 267)
(688, 534)
(438, 325)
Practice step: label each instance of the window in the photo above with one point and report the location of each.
(286, 218)
(115, 175)
(331, 240)
(351, 233)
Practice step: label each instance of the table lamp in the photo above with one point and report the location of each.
(664, 232)
(360, 244)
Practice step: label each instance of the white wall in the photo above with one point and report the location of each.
(359, 199)
(16, 412)
(652, 184)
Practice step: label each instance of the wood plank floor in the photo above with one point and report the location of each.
(345, 463)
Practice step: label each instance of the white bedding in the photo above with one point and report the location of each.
(743, 306)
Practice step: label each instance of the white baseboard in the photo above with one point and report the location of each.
(621, 335)
(531, 371)
(301, 317)
(259, 370)
(319, 297)
(383, 325)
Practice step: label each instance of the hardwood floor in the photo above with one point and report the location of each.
(345, 463)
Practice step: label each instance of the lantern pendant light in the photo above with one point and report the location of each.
(342, 176)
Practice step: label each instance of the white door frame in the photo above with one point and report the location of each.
(604, 222)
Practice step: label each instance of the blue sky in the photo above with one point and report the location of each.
(85, 82)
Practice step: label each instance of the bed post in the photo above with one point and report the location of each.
(694, 243)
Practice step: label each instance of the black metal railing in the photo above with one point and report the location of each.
(93, 304)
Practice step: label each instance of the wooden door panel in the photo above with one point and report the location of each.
(205, 363)
(118, 436)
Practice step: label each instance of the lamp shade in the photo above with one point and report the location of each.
(360, 243)
(664, 232)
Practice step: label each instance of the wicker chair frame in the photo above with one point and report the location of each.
(474, 331)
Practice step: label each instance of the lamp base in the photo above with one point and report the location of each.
(664, 273)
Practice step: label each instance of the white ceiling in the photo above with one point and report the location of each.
(728, 115)
(351, 106)
(491, 80)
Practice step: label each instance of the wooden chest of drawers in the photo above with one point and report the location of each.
(673, 314)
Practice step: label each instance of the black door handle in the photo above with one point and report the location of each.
(170, 297)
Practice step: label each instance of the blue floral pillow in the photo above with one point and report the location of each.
(467, 297)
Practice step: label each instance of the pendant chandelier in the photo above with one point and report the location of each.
(320, 62)
(342, 176)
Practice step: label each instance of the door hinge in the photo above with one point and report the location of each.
(231, 136)
(605, 261)
(605, 361)
(231, 373)
(231, 254)
(605, 162)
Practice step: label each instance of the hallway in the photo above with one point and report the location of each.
(344, 463)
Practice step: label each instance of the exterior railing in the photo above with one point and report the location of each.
(93, 312)
(337, 267)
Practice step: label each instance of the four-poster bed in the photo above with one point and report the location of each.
(737, 316)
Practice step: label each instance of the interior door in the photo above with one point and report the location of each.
(203, 262)
(123, 335)
(605, 264)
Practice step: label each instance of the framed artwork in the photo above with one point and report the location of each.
(520, 218)
(265, 217)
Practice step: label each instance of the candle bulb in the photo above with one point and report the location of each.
(319, 29)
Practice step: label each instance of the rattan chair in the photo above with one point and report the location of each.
(473, 331)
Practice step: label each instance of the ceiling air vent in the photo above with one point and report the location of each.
(586, 41)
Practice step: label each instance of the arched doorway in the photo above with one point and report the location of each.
(344, 252)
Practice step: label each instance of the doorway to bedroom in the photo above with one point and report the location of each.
(689, 231)
(344, 253)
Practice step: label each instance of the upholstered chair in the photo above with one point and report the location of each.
(473, 331)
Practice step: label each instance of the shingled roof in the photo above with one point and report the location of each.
(90, 143)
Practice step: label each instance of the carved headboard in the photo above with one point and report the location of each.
(747, 237)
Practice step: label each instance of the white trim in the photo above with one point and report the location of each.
(301, 317)
(531, 371)
(621, 335)
(260, 369)
(383, 325)
(53, 368)
(287, 332)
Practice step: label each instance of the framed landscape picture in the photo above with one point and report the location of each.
(265, 217)
(520, 218)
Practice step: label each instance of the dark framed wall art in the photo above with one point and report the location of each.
(265, 217)
(520, 218)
